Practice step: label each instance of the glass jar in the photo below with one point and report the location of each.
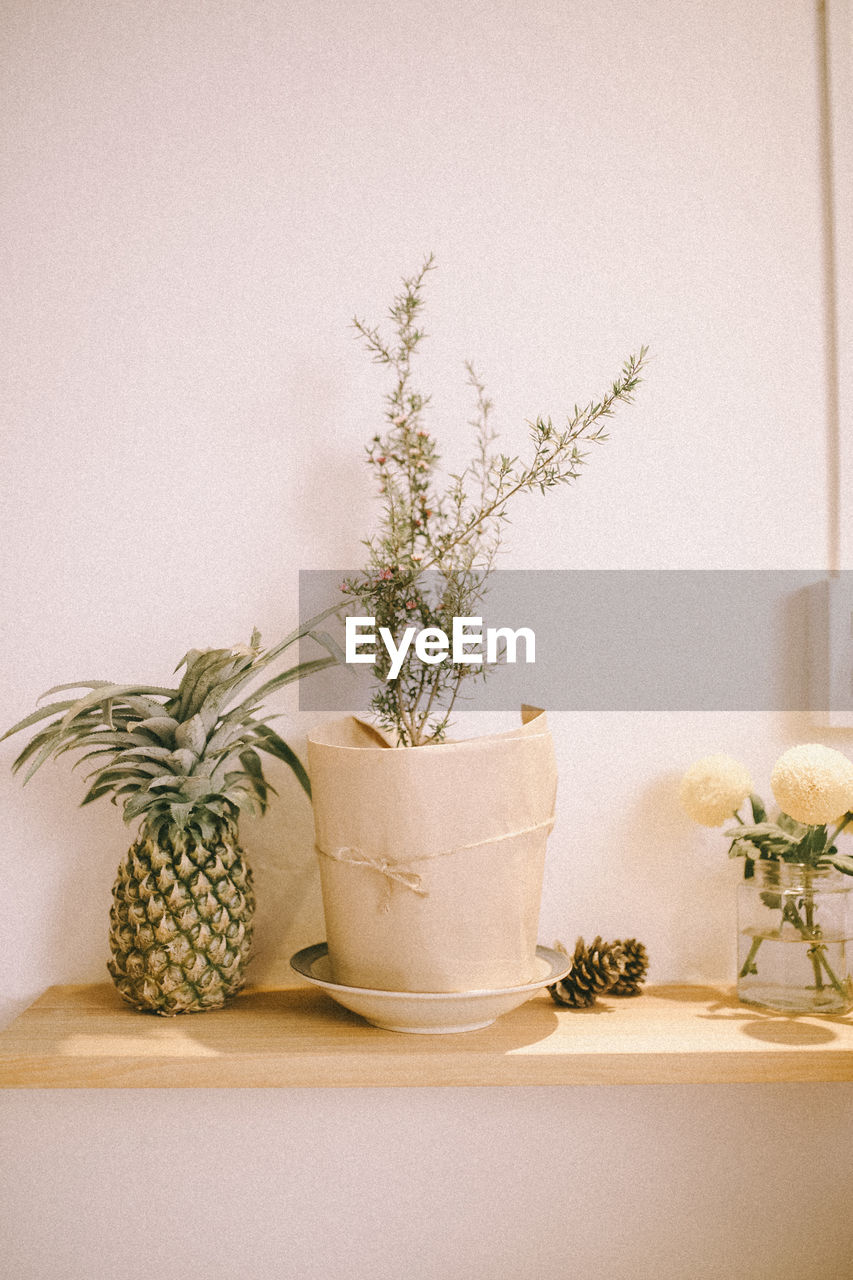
(794, 938)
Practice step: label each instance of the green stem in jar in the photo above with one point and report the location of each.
(749, 963)
(815, 948)
(817, 951)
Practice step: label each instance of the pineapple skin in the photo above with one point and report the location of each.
(181, 923)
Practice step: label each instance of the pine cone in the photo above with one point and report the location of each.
(594, 970)
(633, 966)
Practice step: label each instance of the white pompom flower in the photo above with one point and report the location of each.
(813, 783)
(712, 789)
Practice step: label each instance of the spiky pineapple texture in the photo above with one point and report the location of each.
(186, 767)
(181, 924)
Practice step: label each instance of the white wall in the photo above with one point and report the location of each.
(197, 198)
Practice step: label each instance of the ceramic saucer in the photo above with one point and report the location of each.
(428, 1012)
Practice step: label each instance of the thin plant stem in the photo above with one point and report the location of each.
(749, 962)
(848, 817)
(817, 951)
(813, 950)
(453, 527)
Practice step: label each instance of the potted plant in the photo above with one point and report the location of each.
(431, 851)
(794, 926)
(183, 763)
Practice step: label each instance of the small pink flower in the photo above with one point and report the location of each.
(382, 460)
(411, 604)
(385, 575)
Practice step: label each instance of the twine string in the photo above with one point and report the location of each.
(395, 873)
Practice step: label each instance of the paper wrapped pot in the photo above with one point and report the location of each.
(431, 858)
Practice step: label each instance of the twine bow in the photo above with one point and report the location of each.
(394, 874)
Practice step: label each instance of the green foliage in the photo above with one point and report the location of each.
(452, 527)
(184, 759)
(786, 840)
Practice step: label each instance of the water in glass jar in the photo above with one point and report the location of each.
(793, 974)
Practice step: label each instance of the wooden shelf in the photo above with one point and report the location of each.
(84, 1037)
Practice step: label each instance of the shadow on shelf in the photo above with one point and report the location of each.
(769, 1025)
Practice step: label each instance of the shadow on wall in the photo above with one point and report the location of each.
(62, 876)
(280, 850)
(688, 885)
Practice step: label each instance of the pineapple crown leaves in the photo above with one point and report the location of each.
(182, 759)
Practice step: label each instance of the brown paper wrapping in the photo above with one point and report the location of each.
(431, 858)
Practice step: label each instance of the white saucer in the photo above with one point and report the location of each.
(428, 1012)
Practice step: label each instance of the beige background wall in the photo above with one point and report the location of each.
(196, 199)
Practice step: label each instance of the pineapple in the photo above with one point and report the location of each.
(185, 767)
